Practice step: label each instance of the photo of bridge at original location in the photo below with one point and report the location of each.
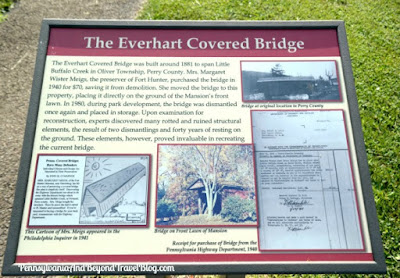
(290, 81)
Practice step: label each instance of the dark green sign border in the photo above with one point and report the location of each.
(378, 266)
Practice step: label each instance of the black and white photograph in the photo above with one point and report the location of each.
(290, 81)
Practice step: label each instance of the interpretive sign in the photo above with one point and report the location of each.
(193, 147)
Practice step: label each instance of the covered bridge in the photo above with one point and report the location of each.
(281, 86)
(199, 186)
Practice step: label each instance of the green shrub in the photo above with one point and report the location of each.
(166, 209)
(5, 5)
(236, 209)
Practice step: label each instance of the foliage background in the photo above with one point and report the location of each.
(372, 28)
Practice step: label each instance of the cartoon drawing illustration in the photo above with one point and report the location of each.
(113, 195)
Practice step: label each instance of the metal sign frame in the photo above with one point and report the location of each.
(376, 266)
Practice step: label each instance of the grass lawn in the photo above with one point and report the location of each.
(5, 6)
(373, 33)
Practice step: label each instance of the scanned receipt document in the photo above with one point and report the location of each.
(306, 190)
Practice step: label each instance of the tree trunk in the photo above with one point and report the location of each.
(209, 205)
(199, 205)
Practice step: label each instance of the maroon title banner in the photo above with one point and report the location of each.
(186, 43)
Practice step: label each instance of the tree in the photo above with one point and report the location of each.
(161, 191)
(183, 198)
(207, 164)
(166, 209)
(277, 70)
(172, 182)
